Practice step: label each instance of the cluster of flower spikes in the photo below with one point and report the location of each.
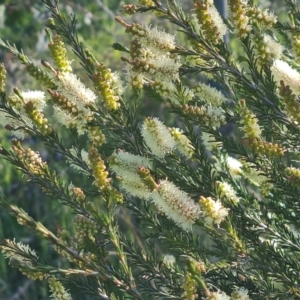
(167, 198)
(72, 100)
(249, 20)
(242, 16)
(29, 105)
(152, 59)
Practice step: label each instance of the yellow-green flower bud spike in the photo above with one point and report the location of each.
(238, 15)
(108, 86)
(59, 54)
(293, 176)
(296, 45)
(146, 177)
(50, 22)
(31, 159)
(190, 288)
(37, 118)
(77, 193)
(15, 101)
(183, 144)
(261, 147)
(2, 77)
(129, 9)
(252, 134)
(211, 24)
(99, 171)
(208, 114)
(196, 267)
(85, 228)
(291, 104)
(96, 136)
(146, 2)
(115, 196)
(265, 188)
(262, 17)
(18, 93)
(249, 122)
(64, 103)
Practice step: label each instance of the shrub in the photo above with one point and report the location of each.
(211, 199)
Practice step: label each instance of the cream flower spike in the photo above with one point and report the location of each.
(281, 70)
(157, 137)
(176, 205)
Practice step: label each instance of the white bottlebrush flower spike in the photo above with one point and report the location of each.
(281, 70)
(215, 115)
(209, 94)
(126, 166)
(157, 137)
(117, 83)
(133, 185)
(219, 295)
(227, 191)
(83, 116)
(176, 204)
(169, 260)
(163, 67)
(218, 21)
(234, 166)
(240, 294)
(157, 40)
(274, 48)
(36, 97)
(123, 163)
(75, 90)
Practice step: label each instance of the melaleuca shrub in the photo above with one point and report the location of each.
(212, 213)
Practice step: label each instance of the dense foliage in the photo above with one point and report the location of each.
(204, 208)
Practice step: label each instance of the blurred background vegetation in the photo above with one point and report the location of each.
(22, 23)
